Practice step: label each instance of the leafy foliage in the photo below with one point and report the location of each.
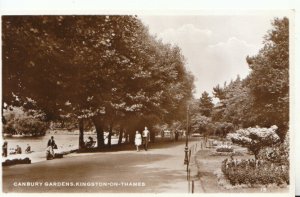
(223, 128)
(200, 124)
(205, 104)
(236, 105)
(19, 121)
(219, 92)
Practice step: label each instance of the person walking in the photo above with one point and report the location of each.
(176, 135)
(137, 140)
(146, 137)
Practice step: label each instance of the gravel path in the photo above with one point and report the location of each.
(158, 170)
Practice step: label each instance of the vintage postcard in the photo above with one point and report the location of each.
(147, 103)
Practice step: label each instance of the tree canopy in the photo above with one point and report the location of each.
(104, 68)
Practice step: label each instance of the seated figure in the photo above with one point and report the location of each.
(90, 143)
(18, 150)
(49, 153)
(28, 149)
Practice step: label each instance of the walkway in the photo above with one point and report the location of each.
(158, 170)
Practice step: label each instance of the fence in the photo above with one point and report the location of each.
(191, 164)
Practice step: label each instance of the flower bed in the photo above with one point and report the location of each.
(254, 172)
(224, 148)
(235, 153)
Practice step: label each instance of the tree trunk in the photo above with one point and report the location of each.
(255, 151)
(126, 135)
(152, 136)
(131, 138)
(100, 132)
(109, 135)
(121, 135)
(81, 141)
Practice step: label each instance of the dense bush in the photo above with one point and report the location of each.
(255, 138)
(20, 121)
(255, 172)
(223, 128)
(31, 126)
(277, 154)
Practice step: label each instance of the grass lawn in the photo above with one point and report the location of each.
(208, 166)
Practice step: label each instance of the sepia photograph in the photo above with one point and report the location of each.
(146, 103)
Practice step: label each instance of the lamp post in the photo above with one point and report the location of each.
(186, 149)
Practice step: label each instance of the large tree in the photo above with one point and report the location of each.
(269, 78)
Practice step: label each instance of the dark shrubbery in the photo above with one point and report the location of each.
(255, 172)
(24, 122)
(16, 161)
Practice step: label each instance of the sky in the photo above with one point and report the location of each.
(215, 47)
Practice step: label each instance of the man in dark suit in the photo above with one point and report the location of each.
(51, 143)
(146, 138)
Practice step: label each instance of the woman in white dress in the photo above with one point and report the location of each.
(137, 140)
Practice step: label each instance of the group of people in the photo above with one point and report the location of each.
(17, 150)
(142, 138)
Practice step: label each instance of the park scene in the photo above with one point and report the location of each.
(145, 104)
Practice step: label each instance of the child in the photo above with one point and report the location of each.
(138, 140)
